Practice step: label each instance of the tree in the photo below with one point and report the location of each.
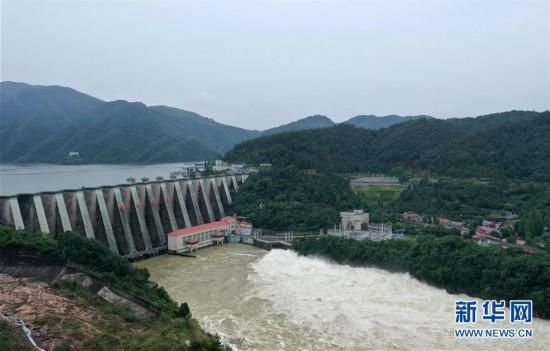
(184, 311)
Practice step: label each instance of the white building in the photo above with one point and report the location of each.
(355, 225)
(245, 228)
(220, 166)
(354, 220)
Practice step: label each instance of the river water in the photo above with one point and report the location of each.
(259, 300)
(17, 179)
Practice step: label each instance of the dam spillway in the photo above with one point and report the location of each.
(131, 219)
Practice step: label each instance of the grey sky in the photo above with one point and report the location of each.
(258, 64)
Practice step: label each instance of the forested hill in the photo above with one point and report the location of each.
(45, 123)
(311, 122)
(514, 144)
(377, 122)
(363, 121)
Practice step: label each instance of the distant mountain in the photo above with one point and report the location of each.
(311, 122)
(513, 144)
(29, 114)
(220, 137)
(377, 122)
(363, 121)
(45, 123)
(122, 132)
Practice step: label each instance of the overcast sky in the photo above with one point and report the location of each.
(257, 64)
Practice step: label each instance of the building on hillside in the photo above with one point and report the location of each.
(479, 236)
(411, 216)
(74, 157)
(505, 216)
(192, 238)
(447, 223)
(354, 220)
(376, 180)
(520, 242)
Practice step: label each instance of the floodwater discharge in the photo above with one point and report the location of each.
(277, 300)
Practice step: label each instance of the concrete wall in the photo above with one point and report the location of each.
(131, 219)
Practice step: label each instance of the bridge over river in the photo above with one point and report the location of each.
(131, 219)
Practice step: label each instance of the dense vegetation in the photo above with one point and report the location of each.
(380, 201)
(472, 200)
(12, 339)
(451, 263)
(288, 199)
(166, 332)
(508, 145)
(461, 198)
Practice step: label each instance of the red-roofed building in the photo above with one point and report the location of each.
(486, 230)
(191, 238)
(411, 216)
(479, 236)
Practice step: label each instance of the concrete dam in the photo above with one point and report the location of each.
(131, 219)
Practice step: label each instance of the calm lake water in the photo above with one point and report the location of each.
(16, 179)
(259, 300)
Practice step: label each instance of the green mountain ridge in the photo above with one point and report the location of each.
(512, 144)
(311, 122)
(363, 121)
(44, 123)
(378, 122)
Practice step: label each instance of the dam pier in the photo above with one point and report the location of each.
(131, 219)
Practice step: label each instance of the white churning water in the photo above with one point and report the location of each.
(281, 301)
